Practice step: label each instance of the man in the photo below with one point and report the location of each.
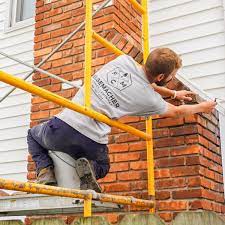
(119, 88)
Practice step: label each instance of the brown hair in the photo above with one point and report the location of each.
(162, 61)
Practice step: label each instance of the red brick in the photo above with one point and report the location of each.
(186, 194)
(165, 142)
(191, 118)
(196, 204)
(117, 187)
(61, 62)
(170, 183)
(118, 148)
(126, 157)
(130, 175)
(138, 165)
(184, 130)
(184, 171)
(41, 37)
(169, 122)
(158, 133)
(137, 146)
(162, 195)
(170, 162)
(31, 166)
(110, 177)
(162, 173)
(172, 205)
(194, 181)
(192, 160)
(115, 167)
(126, 138)
(191, 149)
(42, 52)
(161, 153)
(31, 175)
(53, 12)
(139, 185)
(39, 115)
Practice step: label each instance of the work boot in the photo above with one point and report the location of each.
(86, 173)
(46, 176)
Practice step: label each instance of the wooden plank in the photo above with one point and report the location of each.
(97, 220)
(198, 218)
(141, 219)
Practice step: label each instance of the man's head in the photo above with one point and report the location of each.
(161, 66)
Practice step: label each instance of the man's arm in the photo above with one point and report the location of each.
(180, 95)
(184, 110)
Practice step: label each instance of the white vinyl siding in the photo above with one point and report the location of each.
(195, 29)
(15, 109)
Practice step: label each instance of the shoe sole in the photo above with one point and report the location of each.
(84, 170)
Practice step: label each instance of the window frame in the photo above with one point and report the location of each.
(10, 22)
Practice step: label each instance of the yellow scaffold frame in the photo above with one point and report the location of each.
(86, 110)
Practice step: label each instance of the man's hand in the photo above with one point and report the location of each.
(208, 106)
(184, 95)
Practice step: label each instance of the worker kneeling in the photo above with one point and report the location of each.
(119, 88)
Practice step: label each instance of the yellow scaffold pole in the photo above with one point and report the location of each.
(17, 82)
(72, 193)
(88, 54)
(149, 143)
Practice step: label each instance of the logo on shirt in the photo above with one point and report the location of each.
(119, 79)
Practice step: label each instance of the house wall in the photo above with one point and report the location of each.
(15, 110)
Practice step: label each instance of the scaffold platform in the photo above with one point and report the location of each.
(35, 204)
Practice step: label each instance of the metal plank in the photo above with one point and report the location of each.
(27, 205)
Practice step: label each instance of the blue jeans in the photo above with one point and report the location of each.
(57, 135)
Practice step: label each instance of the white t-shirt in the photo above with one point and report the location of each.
(119, 88)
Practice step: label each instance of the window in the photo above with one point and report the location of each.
(24, 9)
(21, 13)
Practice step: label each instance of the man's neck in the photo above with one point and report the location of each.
(148, 76)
